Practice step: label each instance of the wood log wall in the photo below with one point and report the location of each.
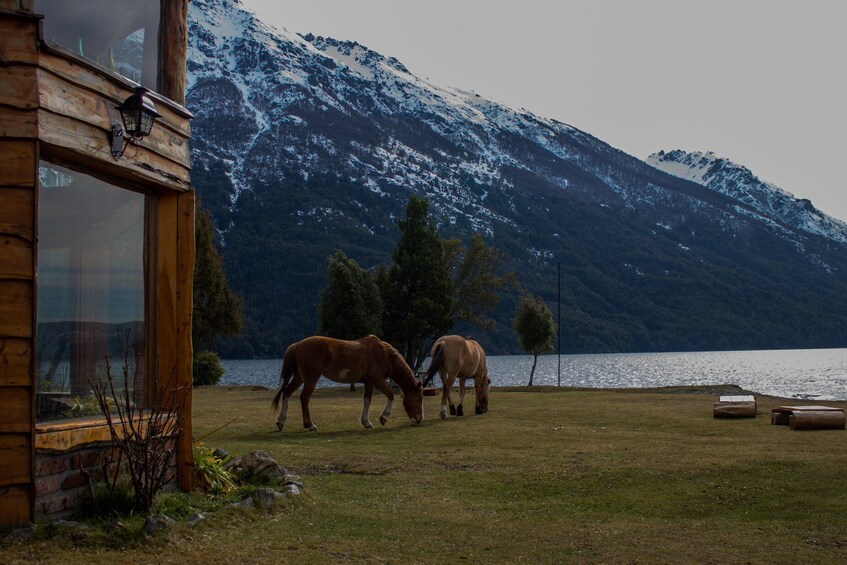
(58, 107)
(18, 166)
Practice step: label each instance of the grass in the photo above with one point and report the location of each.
(548, 475)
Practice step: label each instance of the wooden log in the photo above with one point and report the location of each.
(15, 362)
(780, 418)
(17, 162)
(817, 420)
(20, 40)
(734, 410)
(19, 87)
(15, 459)
(16, 305)
(174, 51)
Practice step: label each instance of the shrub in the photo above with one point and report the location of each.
(207, 368)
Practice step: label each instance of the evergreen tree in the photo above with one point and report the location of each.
(535, 329)
(416, 287)
(350, 306)
(476, 279)
(217, 311)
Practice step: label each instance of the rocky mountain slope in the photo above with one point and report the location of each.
(303, 145)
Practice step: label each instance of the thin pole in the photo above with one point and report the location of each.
(559, 323)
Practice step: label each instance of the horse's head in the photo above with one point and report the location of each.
(413, 402)
(482, 396)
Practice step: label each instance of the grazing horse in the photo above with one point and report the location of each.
(455, 357)
(368, 360)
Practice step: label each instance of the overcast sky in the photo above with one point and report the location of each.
(761, 82)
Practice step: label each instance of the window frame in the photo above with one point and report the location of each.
(150, 274)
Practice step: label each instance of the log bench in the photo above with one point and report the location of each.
(735, 407)
(809, 417)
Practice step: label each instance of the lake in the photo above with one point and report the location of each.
(819, 374)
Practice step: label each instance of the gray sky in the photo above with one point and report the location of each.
(761, 82)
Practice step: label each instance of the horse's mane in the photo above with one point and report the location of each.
(395, 357)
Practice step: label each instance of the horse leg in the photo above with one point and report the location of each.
(366, 404)
(382, 386)
(292, 386)
(460, 411)
(446, 384)
(305, 395)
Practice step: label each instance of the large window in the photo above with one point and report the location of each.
(123, 36)
(91, 291)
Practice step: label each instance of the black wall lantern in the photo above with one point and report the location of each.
(138, 114)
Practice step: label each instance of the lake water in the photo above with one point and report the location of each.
(819, 374)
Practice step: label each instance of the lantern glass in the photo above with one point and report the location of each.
(138, 114)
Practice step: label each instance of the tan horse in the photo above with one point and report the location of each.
(455, 357)
(368, 360)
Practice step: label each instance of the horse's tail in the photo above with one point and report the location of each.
(437, 362)
(289, 365)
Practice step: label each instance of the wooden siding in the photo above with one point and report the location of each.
(18, 167)
(54, 105)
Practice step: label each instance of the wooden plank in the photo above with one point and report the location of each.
(16, 306)
(174, 116)
(174, 49)
(16, 410)
(20, 40)
(185, 288)
(15, 459)
(79, 139)
(18, 123)
(15, 362)
(17, 163)
(66, 99)
(16, 258)
(19, 87)
(15, 505)
(166, 290)
(17, 211)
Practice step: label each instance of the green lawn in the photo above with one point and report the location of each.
(546, 476)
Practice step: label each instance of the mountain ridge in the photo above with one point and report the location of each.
(304, 144)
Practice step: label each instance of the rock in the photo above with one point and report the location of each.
(70, 525)
(22, 533)
(157, 523)
(259, 467)
(292, 489)
(266, 498)
(221, 453)
(246, 503)
(195, 519)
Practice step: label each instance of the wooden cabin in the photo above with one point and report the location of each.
(96, 235)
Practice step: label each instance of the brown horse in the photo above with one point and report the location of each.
(368, 360)
(455, 357)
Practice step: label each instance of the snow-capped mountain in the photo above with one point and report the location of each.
(738, 182)
(303, 145)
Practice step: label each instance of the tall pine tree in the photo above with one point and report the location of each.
(416, 288)
(350, 306)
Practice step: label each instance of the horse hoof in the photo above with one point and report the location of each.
(478, 410)
(279, 426)
(383, 420)
(444, 415)
(460, 411)
(453, 410)
(368, 425)
(312, 428)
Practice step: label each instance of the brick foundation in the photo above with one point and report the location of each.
(60, 477)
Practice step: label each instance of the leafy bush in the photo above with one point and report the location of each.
(210, 472)
(207, 368)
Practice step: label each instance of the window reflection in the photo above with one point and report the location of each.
(123, 36)
(90, 290)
